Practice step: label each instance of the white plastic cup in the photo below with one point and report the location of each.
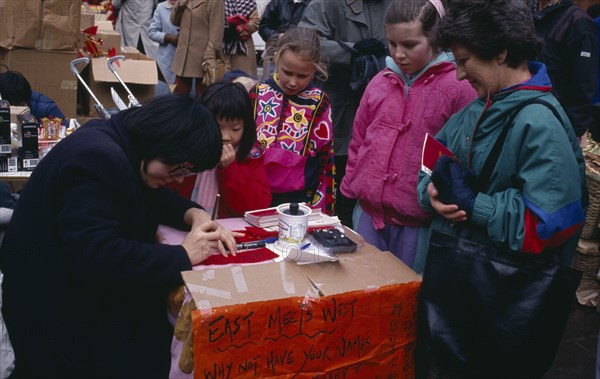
(292, 228)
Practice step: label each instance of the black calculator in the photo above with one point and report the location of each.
(334, 241)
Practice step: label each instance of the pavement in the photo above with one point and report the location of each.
(576, 357)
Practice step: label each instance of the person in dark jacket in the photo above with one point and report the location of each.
(276, 19)
(85, 280)
(594, 12)
(15, 88)
(279, 16)
(570, 54)
(358, 24)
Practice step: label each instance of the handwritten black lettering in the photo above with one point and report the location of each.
(248, 365)
(219, 371)
(276, 359)
(222, 326)
(339, 310)
(342, 373)
(315, 354)
(356, 345)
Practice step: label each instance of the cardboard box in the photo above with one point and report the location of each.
(269, 320)
(48, 72)
(110, 39)
(140, 75)
(105, 41)
(95, 17)
(105, 25)
(40, 24)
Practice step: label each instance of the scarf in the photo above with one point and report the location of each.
(232, 44)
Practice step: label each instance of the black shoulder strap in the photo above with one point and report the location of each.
(569, 16)
(347, 47)
(490, 163)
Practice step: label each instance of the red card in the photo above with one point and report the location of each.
(432, 150)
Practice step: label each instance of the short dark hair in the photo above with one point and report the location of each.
(407, 11)
(15, 88)
(174, 129)
(488, 27)
(231, 102)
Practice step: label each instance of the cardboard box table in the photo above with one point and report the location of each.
(355, 318)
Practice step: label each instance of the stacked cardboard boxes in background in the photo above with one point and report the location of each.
(39, 39)
(140, 72)
(48, 72)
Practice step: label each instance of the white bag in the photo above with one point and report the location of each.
(7, 356)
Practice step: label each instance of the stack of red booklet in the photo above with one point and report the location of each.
(268, 217)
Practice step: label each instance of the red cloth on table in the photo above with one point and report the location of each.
(246, 256)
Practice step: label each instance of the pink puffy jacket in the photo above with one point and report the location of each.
(384, 156)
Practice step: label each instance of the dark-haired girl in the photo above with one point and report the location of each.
(240, 178)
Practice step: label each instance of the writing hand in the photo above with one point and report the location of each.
(227, 156)
(207, 239)
(449, 211)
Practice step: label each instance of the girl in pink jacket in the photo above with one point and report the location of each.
(414, 95)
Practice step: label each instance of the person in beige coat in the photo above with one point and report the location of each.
(201, 25)
(242, 20)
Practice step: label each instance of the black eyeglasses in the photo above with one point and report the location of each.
(180, 170)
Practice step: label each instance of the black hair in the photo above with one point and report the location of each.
(230, 101)
(15, 88)
(407, 11)
(488, 27)
(174, 129)
(594, 10)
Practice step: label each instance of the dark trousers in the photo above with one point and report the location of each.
(184, 85)
(344, 206)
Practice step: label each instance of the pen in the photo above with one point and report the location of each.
(215, 208)
(249, 245)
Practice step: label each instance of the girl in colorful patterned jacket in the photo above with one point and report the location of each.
(293, 124)
(240, 177)
(414, 95)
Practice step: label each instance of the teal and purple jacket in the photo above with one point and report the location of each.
(536, 199)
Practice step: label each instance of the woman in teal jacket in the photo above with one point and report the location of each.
(536, 196)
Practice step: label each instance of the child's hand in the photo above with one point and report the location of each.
(227, 156)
